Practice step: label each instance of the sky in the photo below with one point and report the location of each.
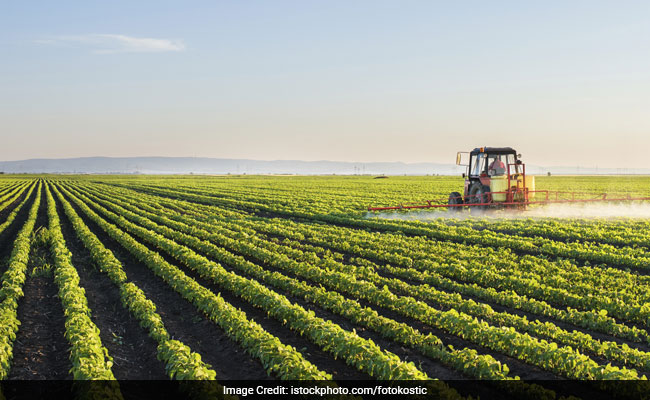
(566, 83)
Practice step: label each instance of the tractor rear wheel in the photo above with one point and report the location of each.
(454, 199)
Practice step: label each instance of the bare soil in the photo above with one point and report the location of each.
(40, 349)
(182, 320)
(133, 351)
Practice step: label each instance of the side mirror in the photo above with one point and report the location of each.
(518, 155)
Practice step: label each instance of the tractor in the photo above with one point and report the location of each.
(494, 177)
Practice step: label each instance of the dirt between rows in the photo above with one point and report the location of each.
(4, 213)
(133, 351)
(432, 367)
(182, 320)
(325, 361)
(499, 308)
(8, 236)
(523, 370)
(40, 350)
(268, 214)
(517, 367)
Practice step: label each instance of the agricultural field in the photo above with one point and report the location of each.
(290, 277)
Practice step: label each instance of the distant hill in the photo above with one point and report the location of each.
(195, 165)
(186, 165)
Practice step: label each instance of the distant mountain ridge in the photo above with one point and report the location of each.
(197, 165)
(200, 165)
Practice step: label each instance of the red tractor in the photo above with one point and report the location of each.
(495, 176)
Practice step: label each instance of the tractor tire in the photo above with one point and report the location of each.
(455, 198)
(478, 194)
(473, 194)
(485, 195)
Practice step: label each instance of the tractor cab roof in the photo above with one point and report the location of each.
(493, 150)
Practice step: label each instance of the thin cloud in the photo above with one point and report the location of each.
(112, 43)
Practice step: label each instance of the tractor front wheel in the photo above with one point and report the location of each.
(455, 199)
(479, 194)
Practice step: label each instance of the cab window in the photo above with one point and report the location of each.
(478, 167)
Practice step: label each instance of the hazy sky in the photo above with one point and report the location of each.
(564, 82)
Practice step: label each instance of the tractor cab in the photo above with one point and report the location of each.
(490, 161)
(493, 175)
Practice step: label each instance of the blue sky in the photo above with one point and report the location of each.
(565, 82)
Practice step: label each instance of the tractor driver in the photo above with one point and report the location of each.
(497, 167)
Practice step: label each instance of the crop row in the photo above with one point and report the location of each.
(362, 353)
(504, 271)
(355, 242)
(582, 341)
(464, 275)
(610, 350)
(592, 252)
(11, 195)
(180, 361)
(619, 233)
(12, 215)
(12, 286)
(629, 307)
(279, 359)
(601, 279)
(492, 271)
(546, 355)
(465, 360)
(90, 359)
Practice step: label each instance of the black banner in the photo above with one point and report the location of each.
(458, 389)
